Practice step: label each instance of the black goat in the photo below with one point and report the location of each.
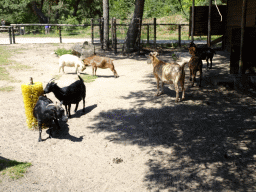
(71, 94)
(204, 53)
(45, 112)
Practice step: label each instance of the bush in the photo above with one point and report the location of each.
(62, 51)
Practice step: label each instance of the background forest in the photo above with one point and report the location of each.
(78, 11)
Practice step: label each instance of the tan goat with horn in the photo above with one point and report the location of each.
(171, 73)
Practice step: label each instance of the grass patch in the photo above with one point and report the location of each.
(13, 169)
(57, 77)
(7, 88)
(5, 54)
(4, 75)
(88, 78)
(19, 67)
(62, 51)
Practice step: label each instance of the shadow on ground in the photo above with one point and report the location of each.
(63, 133)
(205, 143)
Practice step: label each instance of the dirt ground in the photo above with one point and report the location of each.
(205, 143)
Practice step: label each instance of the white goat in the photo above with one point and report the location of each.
(71, 61)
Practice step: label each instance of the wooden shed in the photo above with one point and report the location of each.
(232, 36)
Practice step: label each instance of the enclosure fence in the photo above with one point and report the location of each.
(150, 32)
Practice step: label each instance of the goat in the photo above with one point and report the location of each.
(195, 64)
(70, 61)
(171, 73)
(45, 112)
(71, 94)
(101, 62)
(204, 53)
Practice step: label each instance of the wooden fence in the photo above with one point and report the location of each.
(113, 26)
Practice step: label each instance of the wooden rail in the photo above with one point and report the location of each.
(114, 26)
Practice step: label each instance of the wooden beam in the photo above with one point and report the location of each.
(193, 20)
(243, 25)
(217, 40)
(209, 24)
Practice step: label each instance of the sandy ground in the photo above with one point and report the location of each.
(205, 143)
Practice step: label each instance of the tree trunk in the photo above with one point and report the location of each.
(134, 27)
(106, 24)
(76, 7)
(39, 13)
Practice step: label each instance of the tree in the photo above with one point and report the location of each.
(106, 24)
(133, 30)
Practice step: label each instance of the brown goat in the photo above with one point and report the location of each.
(171, 73)
(195, 64)
(101, 62)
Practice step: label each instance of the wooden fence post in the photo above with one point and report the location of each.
(60, 34)
(92, 30)
(155, 32)
(112, 39)
(13, 36)
(114, 34)
(10, 35)
(179, 35)
(147, 33)
(101, 25)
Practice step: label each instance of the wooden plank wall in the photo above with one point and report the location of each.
(201, 20)
(234, 16)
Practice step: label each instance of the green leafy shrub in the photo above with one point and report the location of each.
(62, 51)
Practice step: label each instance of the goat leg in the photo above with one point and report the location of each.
(207, 63)
(183, 90)
(211, 62)
(69, 106)
(162, 88)
(200, 77)
(83, 105)
(40, 131)
(76, 106)
(157, 83)
(95, 70)
(193, 79)
(177, 92)
(66, 110)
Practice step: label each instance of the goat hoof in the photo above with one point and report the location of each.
(39, 140)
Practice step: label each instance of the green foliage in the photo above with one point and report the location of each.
(121, 9)
(62, 51)
(88, 78)
(20, 11)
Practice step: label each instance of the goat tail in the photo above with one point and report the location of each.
(80, 78)
(183, 64)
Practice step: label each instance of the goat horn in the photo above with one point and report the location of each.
(51, 104)
(53, 79)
